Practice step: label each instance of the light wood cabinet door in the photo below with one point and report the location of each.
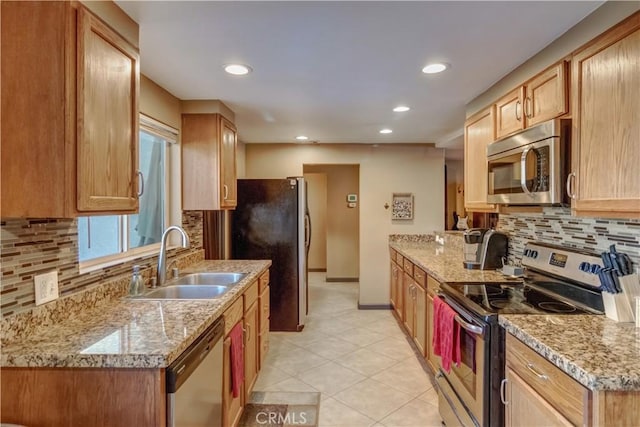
(525, 406)
(251, 352)
(606, 128)
(208, 162)
(478, 133)
(228, 164)
(409, 303)
(231, 406)
(420, 332)
(510, 113)
(432, 359)
(399, 301)
(546, 95)
(77, 81)
(107, 144)
(393, 284)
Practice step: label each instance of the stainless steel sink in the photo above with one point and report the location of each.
(186, 292)
(220, 279)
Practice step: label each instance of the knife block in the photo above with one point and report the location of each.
(619, 307)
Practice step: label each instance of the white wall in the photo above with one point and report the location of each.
(383, 170)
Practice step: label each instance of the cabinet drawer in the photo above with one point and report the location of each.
(263, 281)
(408, 267)
(233, 315)
(393, 254)
(264, 309)
(399, 259)
(420, 276)
(250, 295)
(433, 286)
(569, 397)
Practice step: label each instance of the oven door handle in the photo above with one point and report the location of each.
(474, 329)
(468, 326)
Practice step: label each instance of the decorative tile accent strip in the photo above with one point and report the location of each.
(34, 246)
(557, 226)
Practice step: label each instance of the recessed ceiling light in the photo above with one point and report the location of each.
(302, 138)
(401, 109)
(384, 131)
(237, 69)
(434, 68)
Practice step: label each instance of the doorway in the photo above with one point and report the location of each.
(335, 238)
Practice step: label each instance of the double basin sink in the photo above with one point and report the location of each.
(194, 286)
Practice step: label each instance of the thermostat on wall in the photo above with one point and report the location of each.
(352, 198)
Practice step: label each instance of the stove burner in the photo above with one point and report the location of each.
(501, 304)
(494, 290)
(556, 307)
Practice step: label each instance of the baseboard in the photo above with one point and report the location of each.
(342, 279)
(317, 270)
(374, 306)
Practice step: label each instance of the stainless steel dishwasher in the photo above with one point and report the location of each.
(194, 382)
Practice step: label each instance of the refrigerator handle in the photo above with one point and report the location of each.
(307, 229)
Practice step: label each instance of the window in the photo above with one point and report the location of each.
(105, 236)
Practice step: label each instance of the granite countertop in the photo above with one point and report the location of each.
(444, 262)
(596, 351)
(130, 333)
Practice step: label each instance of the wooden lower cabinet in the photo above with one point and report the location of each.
(251, 352)
(420, 319)
(526, 405)
(79, 397)
(408, 316)
(263, 336)
(231, 406)
(432, 288)
(535, 389)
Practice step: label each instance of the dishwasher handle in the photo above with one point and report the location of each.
(189, 360)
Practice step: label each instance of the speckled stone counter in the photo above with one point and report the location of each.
(443, 262)
(129, 333)
(597, 352)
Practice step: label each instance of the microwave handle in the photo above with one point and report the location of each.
(523, 171)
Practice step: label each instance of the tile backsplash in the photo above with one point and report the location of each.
(35, 246)
(557, 226)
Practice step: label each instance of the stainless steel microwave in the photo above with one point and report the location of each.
(530, 168)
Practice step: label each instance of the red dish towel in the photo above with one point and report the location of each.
(237, 359)
(446, 335)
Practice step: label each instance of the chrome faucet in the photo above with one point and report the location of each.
(162, 257)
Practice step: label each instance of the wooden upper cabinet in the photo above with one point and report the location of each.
(547, 95)
(208, 162)
(478, 133)
(107, 142)
(606, 125)
(509, 113)
(544, 97)
(69, 113)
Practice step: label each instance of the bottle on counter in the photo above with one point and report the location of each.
(136, 286)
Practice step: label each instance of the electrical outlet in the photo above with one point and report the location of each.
(46, 287)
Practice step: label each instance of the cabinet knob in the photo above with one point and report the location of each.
(518, 116)
(141, 178)
(571, 179)
(503, 386)
(226, 191)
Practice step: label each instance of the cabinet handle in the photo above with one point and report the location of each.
(141, 178)
(226, 191)
(571, 179)
(532, 368)
(248, 332)
(518, 116)
(528, 106)
(503, 386)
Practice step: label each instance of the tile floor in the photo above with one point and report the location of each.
(359, 360)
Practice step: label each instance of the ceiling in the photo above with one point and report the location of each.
(333, 70)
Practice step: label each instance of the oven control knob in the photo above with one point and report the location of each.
(584, 267)
(595, 269)
(534, 254)
(527, 252)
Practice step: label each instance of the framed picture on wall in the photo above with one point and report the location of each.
(402, 206)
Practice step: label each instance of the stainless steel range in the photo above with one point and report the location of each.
(557, 281)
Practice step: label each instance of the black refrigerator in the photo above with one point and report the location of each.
(271, 221)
